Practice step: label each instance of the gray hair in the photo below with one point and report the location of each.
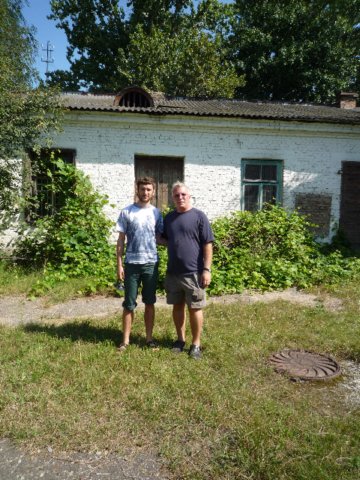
(179, 184)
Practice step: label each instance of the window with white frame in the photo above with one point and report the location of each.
(261, 183)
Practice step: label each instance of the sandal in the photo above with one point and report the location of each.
(152, 345)
(122, 347)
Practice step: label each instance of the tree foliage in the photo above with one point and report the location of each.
(286, 50)
(158, 13)
(165, 45)
(26, 113)
(189, 63)
(95, 30)
(296, 50)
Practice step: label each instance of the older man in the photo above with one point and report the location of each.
(189, 239)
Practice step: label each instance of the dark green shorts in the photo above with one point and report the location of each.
(136, 275)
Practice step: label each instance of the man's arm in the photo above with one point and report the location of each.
(160, 240)
(120, 247)
(206, 274)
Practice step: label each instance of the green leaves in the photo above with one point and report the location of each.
(168, 46)
(190, 63)
(267, 250)
(287, 51)
(28, 116)
(271, 249)
(74, 242)
(296, 50)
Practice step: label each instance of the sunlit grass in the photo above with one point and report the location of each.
(15, 281)
(18, 281)
(228, 416)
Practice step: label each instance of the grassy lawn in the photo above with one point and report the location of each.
(15, 281)
(229, 416)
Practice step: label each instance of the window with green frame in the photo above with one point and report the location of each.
(261, 183)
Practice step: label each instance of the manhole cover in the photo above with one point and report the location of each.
(305, 365)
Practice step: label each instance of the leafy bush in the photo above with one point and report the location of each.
(267, 250)
(74, 241)
(271, 249)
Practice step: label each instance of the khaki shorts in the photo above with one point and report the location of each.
(184, 288)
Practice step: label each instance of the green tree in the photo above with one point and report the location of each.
(158, 13)
(95, 30)
(166, 45)
(296, 49)
(189, 63)
(26, 113)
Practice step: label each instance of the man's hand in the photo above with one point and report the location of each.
(121, 273)
(205, 279)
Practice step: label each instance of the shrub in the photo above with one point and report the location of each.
(74, 241)
(266, 250)
(271, 249)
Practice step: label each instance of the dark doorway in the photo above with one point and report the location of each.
(165, 171)
(350, 203)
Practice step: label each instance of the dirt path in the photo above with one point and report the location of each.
(15, 464)
(16, 310)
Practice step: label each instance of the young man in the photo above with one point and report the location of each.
(140, 224)
(189, 239)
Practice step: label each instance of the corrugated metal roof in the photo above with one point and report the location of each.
(164, 105)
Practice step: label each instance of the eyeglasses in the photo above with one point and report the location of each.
(178, 195)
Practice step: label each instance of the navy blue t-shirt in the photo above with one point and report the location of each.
(186, 233)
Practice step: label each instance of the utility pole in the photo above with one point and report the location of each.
(48, 49)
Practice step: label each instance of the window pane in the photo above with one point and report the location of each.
(251, 198)
(43, 195)
(269, 172)
(269, 194)
(47, 200)
(252, 172)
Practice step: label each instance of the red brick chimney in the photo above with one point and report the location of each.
(347, 100)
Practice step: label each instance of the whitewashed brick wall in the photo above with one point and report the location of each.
(106, 145)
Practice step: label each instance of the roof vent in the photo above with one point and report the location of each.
(133, 97)
(347, 100)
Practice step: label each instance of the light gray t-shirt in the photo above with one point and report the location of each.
(140, 225)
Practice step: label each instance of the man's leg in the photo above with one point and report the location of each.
(149, 277)
(127, 320)
(149, 318)
(179, 318)
(196, 324)
(131, 284)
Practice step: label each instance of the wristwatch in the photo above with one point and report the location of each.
(207, 269)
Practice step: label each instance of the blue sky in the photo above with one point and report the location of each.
(35, 14)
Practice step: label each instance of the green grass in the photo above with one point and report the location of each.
(14, 281)
(19, 281)
(229, 416)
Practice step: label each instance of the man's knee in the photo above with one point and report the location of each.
(129, 306)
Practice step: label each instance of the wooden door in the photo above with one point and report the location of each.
(350, 203)
(165, 171)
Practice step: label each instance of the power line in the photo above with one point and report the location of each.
(48, 49)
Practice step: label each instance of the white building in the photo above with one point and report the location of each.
(232, 154)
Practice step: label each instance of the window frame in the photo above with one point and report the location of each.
(278, 182)
(69, 156)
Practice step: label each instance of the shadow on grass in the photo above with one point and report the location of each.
(86, 332)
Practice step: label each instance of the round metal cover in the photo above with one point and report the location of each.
(305, 365)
